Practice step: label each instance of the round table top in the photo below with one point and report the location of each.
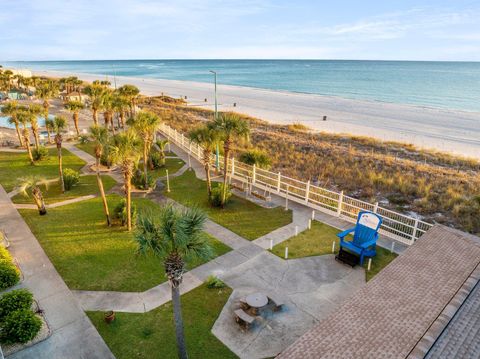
(257, 300)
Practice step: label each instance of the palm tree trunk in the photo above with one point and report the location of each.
(226, 153)
(145, 162)
(17, 128)
(177, 315)
(60, 169)
(35, 136)
(26, 136)
(46, 105)
(206, 161)
(110, 118)
(102, 192)
(128, 189)
(95, 116)
(75, 121)
(38, 198)
(122, 118)
(49, 135)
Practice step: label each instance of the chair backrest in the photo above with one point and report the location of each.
(367, 227)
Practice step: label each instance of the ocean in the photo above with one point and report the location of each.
(451, 85)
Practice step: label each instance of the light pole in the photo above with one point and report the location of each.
(217, 157)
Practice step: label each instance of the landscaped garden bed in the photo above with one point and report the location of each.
(92, 256)
(15, 166)
(52, 193)
(152, 334)
(318, 241)
(241, 216)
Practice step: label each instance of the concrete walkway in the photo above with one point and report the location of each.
(56, 204)
(73, 335)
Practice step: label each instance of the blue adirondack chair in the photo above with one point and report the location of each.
(365, 235)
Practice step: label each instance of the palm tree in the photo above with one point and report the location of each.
(125, 153)
(230, 127)
(145, 124)
(59, 124)
(23, 117)
(120, 105)
(10, 109)
(130, 92)
(174, 236)
(162, 144)
(33, 184)
(74, 107)
(50, 126)
(207, 138)
(99, 135)
(95, 93)
(35, 110)
(46, 90)
(108, 109)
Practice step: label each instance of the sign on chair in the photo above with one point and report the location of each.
(369, 220)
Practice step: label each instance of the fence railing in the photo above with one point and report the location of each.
(397, 226)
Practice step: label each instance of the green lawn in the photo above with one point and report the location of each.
(152, 335)
(52, 193)
(318, 241)
(14, 166)
(88, 147)
(171, 164)
(91, 256)
(240, 215)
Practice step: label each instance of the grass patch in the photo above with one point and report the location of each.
(318, 241)
(152, 334)
(240, 215)
(14, 166)
(51, 194)
(91, 256)
(171, 164)
(88, 147)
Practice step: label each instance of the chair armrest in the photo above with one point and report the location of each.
(345, 233)
(369, 243)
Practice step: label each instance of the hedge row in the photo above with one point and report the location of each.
(9, 273)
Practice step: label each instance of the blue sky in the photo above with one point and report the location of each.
(140, 29)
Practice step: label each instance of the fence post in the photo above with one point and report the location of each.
(233, 167)
(254, 173)
(189, 147)
(340, 202)
(279, 181)
(375, 207)
(307, 191)
(415, 227)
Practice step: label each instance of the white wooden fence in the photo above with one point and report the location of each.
(395, 225)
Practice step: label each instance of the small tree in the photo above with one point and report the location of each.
(95, 92)
(32, 185)
(125, 152)
(74, 107)
(50, 126)
(10, 109)
(23, 116)
(208, 139)
(59, 125)
(100, 137)
(174, 236)
(162, 144)
(35, 111)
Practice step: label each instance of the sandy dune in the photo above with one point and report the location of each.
(445, 130)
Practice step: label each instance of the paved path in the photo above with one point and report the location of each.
(73, 335)
(56, 204)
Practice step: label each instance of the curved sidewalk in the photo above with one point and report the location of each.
(73, 335)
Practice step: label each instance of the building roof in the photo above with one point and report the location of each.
(407, 306)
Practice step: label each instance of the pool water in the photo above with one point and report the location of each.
(4, 122)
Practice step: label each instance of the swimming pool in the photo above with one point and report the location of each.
(4, 122)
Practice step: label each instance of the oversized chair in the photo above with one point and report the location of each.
(365, 235)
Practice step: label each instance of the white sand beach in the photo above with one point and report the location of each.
(444, 130)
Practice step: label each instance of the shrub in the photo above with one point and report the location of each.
(105, 159)
(256, 157)
(70, 178)
(158, 160)
(83, 139)
(215, 282)
(216, 197)
(20, 326)
(15, 300)
(40, 153)
(120, 212)
(9, 274)
(138, 180)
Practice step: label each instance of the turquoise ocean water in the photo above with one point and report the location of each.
(453, 85)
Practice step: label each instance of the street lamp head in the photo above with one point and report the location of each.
(213, 72)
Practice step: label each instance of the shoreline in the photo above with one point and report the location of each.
(452, 131)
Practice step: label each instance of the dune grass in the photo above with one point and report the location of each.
(91, 256)
(52, 192)
(14, 166)
(318, 241)
(241, 216)
(152, 334)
